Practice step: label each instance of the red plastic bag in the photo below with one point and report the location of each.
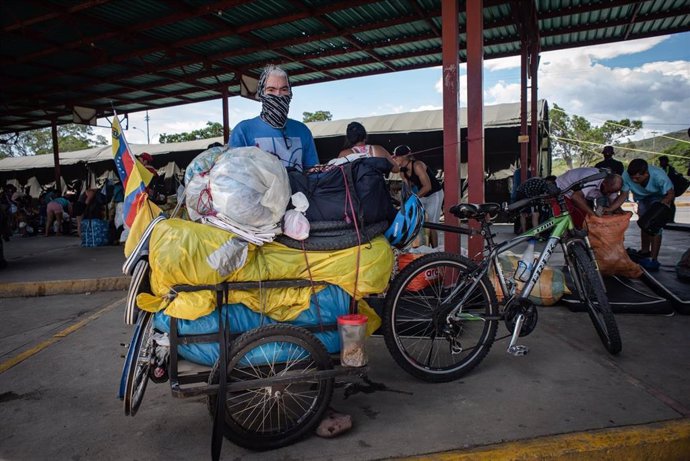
(606, 235)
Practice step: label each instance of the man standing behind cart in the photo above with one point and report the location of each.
(272, 131)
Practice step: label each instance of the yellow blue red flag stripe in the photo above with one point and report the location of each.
(133, 174)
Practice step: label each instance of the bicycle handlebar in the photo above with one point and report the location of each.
(577, 185)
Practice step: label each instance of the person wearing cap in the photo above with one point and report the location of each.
(356, 146)
(272, 131)
(423, 182)
(614, 166)
(146, 159)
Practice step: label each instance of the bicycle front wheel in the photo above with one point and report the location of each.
(415, 326)
(593, 296)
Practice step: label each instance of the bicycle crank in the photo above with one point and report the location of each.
(529, 314)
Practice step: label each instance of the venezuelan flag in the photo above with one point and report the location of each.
(133, 174)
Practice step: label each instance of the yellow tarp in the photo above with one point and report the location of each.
(179, 252)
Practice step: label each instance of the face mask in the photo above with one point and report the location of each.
(274, 109)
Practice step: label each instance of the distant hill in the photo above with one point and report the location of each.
(655, 144)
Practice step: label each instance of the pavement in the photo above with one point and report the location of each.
(61, 353)
(41, 266)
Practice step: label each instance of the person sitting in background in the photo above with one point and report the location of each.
(54, 213)
(649, 184)
(422, 181)
(356, 143)
(614, 166)
(272, 131)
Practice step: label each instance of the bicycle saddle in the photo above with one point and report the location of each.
(476, 211)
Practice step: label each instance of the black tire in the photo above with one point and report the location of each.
(266, 418)
(140, 363)
(139, 283)
(319, 226)
(593, 296)
(414, 319)
(334, 239)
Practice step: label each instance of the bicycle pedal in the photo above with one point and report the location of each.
(517, 350)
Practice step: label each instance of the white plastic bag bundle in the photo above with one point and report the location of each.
(295, 223)
(198, 197)
(250, 187)
(203, 162)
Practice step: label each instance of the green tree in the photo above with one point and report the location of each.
(579, 143)
(318, 116)
(71, 137)
(678, 157)
(212, 130)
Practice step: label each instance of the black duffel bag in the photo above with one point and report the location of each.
(352, 191)
(656, 217)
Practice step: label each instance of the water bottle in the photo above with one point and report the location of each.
(524, 268)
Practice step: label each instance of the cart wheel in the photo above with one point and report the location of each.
(139, 361)
(276, 415)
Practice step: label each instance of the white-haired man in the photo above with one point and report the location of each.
(272, 131)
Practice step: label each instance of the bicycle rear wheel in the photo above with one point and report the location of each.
(593, 296)
(415, 328)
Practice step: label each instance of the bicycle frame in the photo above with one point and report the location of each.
(560, 224)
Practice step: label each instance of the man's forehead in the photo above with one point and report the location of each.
(276, 81)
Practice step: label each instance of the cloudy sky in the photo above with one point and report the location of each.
(646, 80)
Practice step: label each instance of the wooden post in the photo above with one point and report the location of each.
(475, 115)
(451, 132)
(226, 119)
(56, 156)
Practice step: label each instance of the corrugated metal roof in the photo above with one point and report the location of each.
(136, 55)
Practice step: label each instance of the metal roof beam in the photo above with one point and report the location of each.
(56, 13)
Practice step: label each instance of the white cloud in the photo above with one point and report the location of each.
(580, 81)
(502, 93)
(656, 93)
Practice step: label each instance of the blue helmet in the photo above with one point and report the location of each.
(407, 223)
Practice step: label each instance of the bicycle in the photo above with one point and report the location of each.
(441, 311)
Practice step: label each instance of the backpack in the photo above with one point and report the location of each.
(680, 183)
(354, 191)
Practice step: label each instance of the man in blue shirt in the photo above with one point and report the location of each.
(649, 184)
(272, 131)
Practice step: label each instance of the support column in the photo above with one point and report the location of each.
(523, 138)
(451, 132)
(56, 156)
(534, 124)
(475, 114)
(226, 117)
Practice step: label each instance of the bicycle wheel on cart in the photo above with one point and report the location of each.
(593, 296)
(139, 357)
(288, 403)
(415, 326)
